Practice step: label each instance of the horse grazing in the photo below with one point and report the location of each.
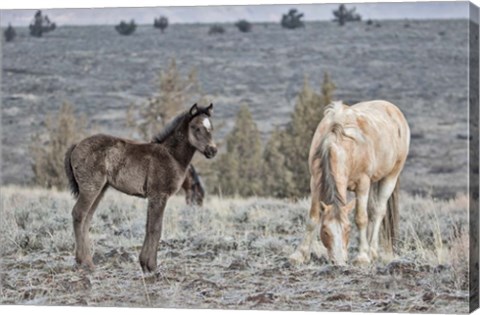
(193, 187)
(361, 148)
(154, 170)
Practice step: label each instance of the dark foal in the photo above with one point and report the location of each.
(153, 170)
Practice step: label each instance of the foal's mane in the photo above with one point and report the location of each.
(170, 127)
(175, 122)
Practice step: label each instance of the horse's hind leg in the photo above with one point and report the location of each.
(385, 190)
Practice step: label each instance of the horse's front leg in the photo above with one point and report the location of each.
(361, 220)
(303, 252)
(148, 255)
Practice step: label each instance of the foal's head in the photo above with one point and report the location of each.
(200, 130)
(335, 231)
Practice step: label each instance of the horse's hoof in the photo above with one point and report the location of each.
(373, 254)
(361, 260)
(296, 258)
(319, 250)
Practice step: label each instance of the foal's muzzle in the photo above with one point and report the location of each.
(210, 152)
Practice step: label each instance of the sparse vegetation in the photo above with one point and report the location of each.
(48, 149)
(161, 23)
(244, 26)
(216, 29)
(125, 28)
(9, 33)
(292, 20)
(41, 24)
(236, 251)
(344, 15)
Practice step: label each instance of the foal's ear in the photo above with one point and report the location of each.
(210, 109)
(194, 110)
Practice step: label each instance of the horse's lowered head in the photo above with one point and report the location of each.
(200, 130)
(335, 231)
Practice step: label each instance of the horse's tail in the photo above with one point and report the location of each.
(69, 171)
(389, 228)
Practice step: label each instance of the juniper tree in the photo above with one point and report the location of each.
(238, 169)
(277, 180)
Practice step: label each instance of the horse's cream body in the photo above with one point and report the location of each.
(355, 148)
(375, 133)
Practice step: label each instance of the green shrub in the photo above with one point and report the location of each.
(161, 23)
(9, 34)
(41, 24)
(216, 29)
(126, 28)
(292, 20)
(244, 26)
(343, 15)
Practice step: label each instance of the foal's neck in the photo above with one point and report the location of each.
(179, 146)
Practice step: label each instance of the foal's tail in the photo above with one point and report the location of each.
(69, 171)
(389, 228)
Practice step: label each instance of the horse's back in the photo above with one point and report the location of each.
(382, 120)
(386, 133)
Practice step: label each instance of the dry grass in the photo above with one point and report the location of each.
(230, 254)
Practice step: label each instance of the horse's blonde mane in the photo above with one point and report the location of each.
(334, 113)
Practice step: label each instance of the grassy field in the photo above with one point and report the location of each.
(230, 254)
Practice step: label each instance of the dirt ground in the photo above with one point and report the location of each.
(230, 254)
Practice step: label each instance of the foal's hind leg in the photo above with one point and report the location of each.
(85, 200)
(148, 255)
(87, 223)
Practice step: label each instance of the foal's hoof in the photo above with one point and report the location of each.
(361, 260)
(86, 265)
(148, 267)
(297, 258)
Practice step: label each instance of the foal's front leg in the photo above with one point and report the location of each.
(148, 255)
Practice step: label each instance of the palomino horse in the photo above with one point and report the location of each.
(193, 187)
(153, 170)
(361, 148)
